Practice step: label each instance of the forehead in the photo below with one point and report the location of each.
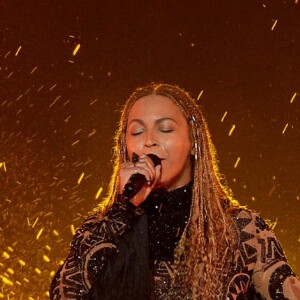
(155, 106)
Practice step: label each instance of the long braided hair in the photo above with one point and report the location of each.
(204, 254)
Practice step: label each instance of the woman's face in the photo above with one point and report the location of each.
(156, 125)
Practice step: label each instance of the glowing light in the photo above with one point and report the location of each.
(36, 220)
(6, 280)
(72, 229)
(285, 127)
(46, 258)
(237, 162)
(200, 94)
(38, 271)
(5, 255)
(52, 273)
(274, 25)
(231, 130)
(76, 49)
(33, 70)
(225, 114)
(80, 178)
(99, 193)
(3, 165)
(39, 233)
(21, 262)
(10, 249)
(18, 51)
(55, 232)
(10, 271)
(293, 98)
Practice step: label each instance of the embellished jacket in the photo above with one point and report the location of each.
(261, 271)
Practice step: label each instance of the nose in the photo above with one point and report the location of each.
(150, 139)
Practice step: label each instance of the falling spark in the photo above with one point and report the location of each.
(39, 233)
(46, 258)
(18, 51)
(52, 87)
(55, 232)
(9, 75)
(36, 220)
(2, 165)
(6, 280)
(38, 271)
(274, 25)
(231, 130)
(7, 54)
(10, 271)
(92, 133)
(10, 249)
(52, 273)
(5, 255)
(71, 61)
(72, 229)
(293, 98)
(99, 193)
(285, 127)
(200, 94)
(225, 114)
(22, 262)
(76, 142)
(237, 162)
(76, 49)
(33, 70)
(94, 101)
(80, 178)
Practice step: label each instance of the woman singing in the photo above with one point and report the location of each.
(180, 235)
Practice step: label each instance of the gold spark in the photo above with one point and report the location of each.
(76, 142)
(231, 130)
(40, 88)
(5, 255)
(18, 282)
(46, 258)
(92, 133)
(94, 101)
(6, 280)
(225, 114)
(18, 51)
(10, 271)
(200, 94)
(52, 87)
(71, 61)
(48, 247)
(52, 273)
(36, 220)
(76, 49)
(237, 162)
(39, 233)
(55, 232)
(28, 222)
(7, 54)
(22, 262)
(253, 198)
(2, 165)
(10, 249)
(285, 127)
(99, 193)
(80, 178)
(33, 70)
(274, 25)
(9, 75)
(293, 98)
(26, 280)
(72, 229)
(38, 271)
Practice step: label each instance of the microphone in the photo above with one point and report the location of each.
(137, 181)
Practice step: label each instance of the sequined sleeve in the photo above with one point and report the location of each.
(272, 276)
(261, 270)
(94, 243)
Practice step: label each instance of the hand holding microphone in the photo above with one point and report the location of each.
(138, 177)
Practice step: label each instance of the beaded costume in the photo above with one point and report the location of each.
(261, 270)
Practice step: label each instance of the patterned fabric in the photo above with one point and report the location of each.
(261, 270)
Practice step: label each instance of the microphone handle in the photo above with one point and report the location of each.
(137, 181)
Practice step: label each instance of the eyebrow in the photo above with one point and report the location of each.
(156, 121)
